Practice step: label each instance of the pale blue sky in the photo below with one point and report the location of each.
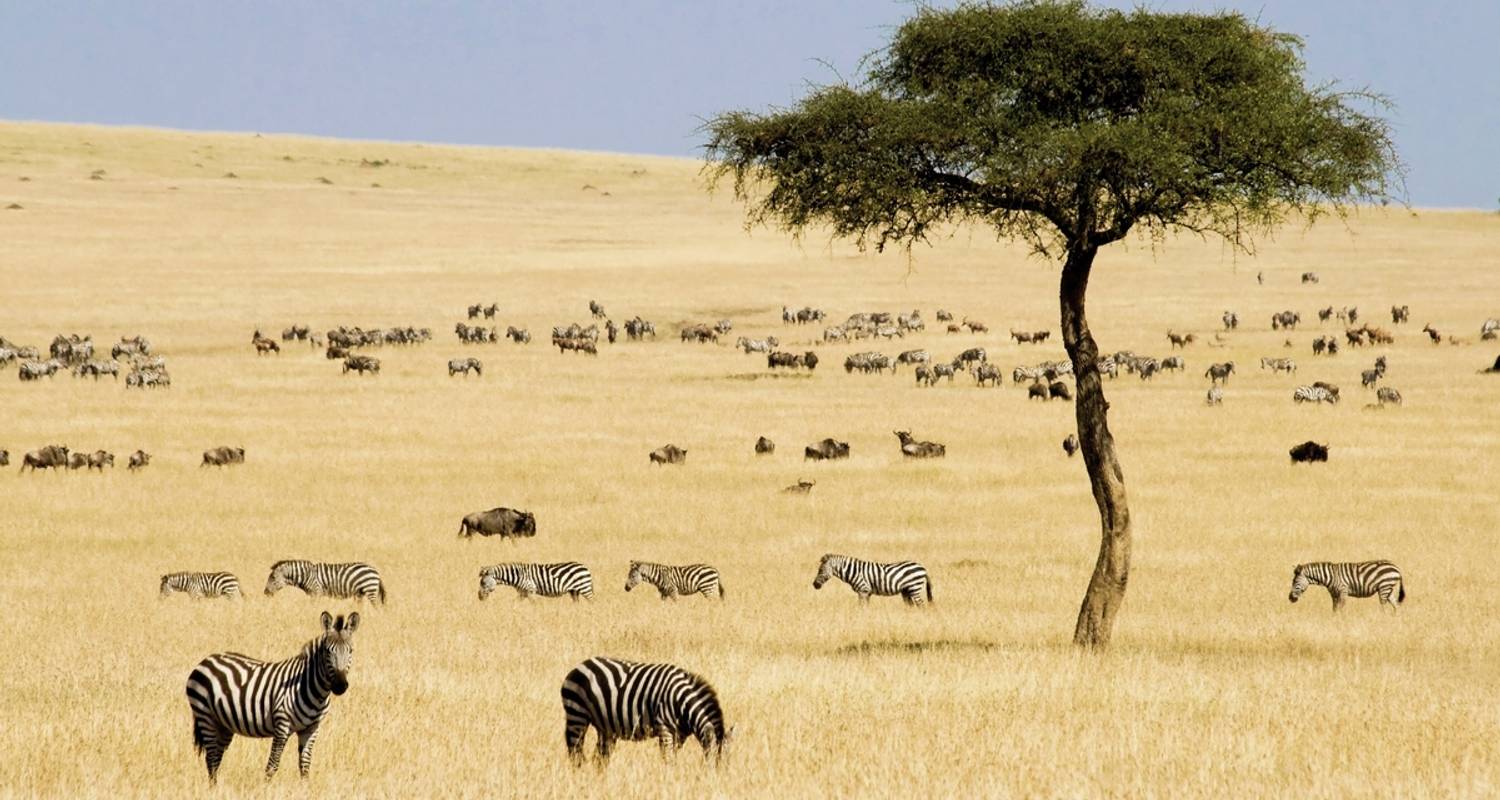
(637, 75)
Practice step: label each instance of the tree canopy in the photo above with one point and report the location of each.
(1062, 125)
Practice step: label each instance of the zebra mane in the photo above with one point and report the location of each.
(286, 561)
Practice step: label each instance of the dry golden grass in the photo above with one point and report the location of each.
(1215, 684)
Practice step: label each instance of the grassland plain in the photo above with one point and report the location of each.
(1215, 684)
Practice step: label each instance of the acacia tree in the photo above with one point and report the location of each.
(1068, 128)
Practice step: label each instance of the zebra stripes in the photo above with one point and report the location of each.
(201, 584)
(547, 580)
(673, 581)
(1314, 394)
(906, 578)
(1351, 579)
(357, 580)
(627, 700)
(232, 694)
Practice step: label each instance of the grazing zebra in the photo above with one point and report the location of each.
(356, 580)
(1314, 394)
(906, 578)
(463, 365)
(1387, 394)
(1278, 364)
(234, 694)
(201, 584)
(673, 581)
(1351, 579)
(1215, 396)
(547, 580)
(627, 700)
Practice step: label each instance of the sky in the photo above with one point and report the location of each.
(639, 76)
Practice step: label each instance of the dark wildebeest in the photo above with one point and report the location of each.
(1219, 373)
(4, 458)
(1070, 445)
(49, 457)
(99, 459)
(826, 450)
(1308, 452)
(669, 454)
(764, 446)
(78, 460)
(223, 456)
(596, 309)
(503, 522)
(1059, 390)
(1036, 391)
(139, 459)
(912, 448)
(362, 364)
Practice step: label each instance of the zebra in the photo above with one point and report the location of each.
(1351, 579)
(356, 580)
(201, 584)
(1215, 396)
(906, 578)
(1219, 373)
(463, 365)
(1368, 378)
(1387, 394)
(231, 694)
(633, 701)
(547, 580)
(1314, 394)
(1278, 364)
(673, 581)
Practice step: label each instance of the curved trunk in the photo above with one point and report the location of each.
(1106, 589)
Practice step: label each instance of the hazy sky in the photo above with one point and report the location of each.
(637, 75)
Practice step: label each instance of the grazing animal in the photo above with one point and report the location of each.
(764, 446)
(914, 357)
(264, 345)
(464, 365)
(548, 580)
(1181, 340)
(1314, 394)
(201, 584)
(699, 333)
(223, 456)
(1387, 395)
(503, 522)
(1070, 445)
(362, 364)
(1219, 373)
(1036, 391)
(1285, 319)
(232, 694)
(974, 355)
(4, 458)
(517, 335)
(633, 701)
(826, 450)
(78, 461)
(1215, 396)
(1400, 314)
(802, 486)
(1309, 277)
(1059, 390)
(49, 457)
(1231, 320)
(1279, 365)
(906, 578)
(1308, 452)
(988, 372)
(1173, 363)
(669, 454)
(672, 581)
(138, 460)
(975, 326)
(925, 375)
(944, 369)
(910, 448)
(99, 459)
(765, 345)
(596, 310)
(355, 580)
(1351, 579)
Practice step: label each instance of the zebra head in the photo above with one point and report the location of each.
(283, 574)
(334, 656)
(1299, 582)
(826, 566)
(166, 585)
(634, 579)
(487, 583)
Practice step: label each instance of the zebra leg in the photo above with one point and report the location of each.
(1338, 600)
(606, 745)
(667, 740)
(214, 753)
(305, 739)
(278, 743)
(573, 734)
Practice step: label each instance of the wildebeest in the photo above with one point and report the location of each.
(138, 460)
(637, 328)
(1400, 314)
(464, 365)
(972, 356)
(911, 448)
(1059, 390)
(362, 364)
(1285, 319)
(1308, 452)
(1219, 373)
(4, 458)
(295, 332)
(517, 335)
(99, 459)
(1309, 277)
(1172, 363)
(49, 457)
(943, 315)
(699, 333)
(1181, 340)
(826, 450)
(668, 454)
(925, 374)
(914, 357)
(764, 446)
(1036, 391)
(78, 460)
(223, 456)
(596, 310)
(988, 372)
(802, 486)
(1231, 320)
(975, 326)
(503, 522)
(1070, 445)
(611, 330)
(1387, 395)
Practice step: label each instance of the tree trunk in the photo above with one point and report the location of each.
(1106, 591)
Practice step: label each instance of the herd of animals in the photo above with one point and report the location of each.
(234, 695)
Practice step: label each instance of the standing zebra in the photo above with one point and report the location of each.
(626, 700)
(356, 580)
(906, 578)
(1361, 579)
(673, 581)
(234, 694)
(201, 584)
(547, 580)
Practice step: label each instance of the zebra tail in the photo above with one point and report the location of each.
(721, 591)
(929, 588)
(1401, 596)
(382, 592)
